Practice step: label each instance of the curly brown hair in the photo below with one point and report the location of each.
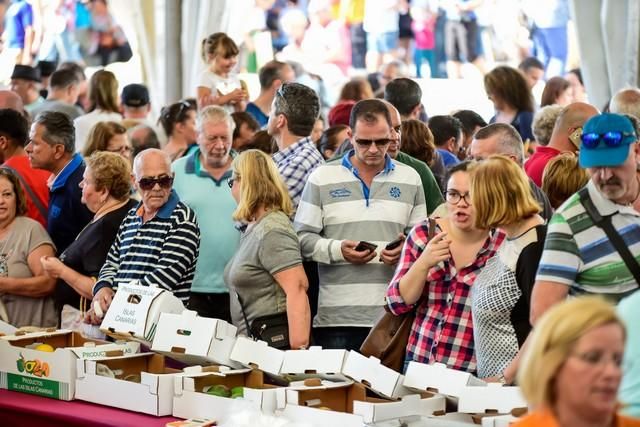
(110, 171)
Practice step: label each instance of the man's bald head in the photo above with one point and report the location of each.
(571, 120)
(153, 159)
(626, 101)
(12, 100)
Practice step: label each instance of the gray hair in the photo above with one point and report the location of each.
(58, 129)
(155, 153)
(544, 122)
(214, 114)
(509, 140)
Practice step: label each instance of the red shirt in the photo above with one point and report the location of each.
(36, 179)
(534, 167)
(443, 328)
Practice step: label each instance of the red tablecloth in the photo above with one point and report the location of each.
(19, 409)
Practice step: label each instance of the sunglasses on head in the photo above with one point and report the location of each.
(367, 142)
(147, 183)
(611, 139)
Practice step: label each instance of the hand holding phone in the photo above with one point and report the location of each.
(394, 243)
(364, 246)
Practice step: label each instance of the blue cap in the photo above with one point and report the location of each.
(603, 155)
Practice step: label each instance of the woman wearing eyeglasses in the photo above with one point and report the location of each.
(500, 296)
(435, 274)
(179, 123)
(106, 186)
(108, 136)
(266, 271)
(571, 370)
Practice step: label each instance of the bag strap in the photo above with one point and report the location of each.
(244, 316)
(36, 201)
(617, 241)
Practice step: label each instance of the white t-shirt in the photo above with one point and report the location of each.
(219, 85)
(380, 16)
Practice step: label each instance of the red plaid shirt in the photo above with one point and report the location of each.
(443, 329)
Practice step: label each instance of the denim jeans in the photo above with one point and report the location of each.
(341, 337)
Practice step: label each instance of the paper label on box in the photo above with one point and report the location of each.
(129, 309)
(38, 386)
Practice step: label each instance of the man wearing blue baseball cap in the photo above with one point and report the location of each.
(579, 256)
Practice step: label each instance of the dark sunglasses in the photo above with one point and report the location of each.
(367, 142)
(147, 183)
(179, 115)
(611, 139)
(231, 180)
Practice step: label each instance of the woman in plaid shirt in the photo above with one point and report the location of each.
(427, 279)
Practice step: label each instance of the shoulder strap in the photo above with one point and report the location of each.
(36, 201)
(617, 241)
(244, 316)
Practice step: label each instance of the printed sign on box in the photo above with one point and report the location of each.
(135, 310)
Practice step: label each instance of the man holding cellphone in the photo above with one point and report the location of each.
(348, 212)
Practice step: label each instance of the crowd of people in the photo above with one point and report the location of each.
(273, 207)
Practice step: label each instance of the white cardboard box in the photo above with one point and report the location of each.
(50, 374)
(195, 340)
(499, 421)
(314, 362)
(438, 378)
(152, 395)
(494, 398)
(135, 310)
(411, 405)
(257, 354)
(320, 418)
(191, 402)
(7, 329)
(369, 371)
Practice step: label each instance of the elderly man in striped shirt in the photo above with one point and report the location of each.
(158, 241)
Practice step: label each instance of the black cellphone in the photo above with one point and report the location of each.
(431, 231)
(363, 246)
(394, 244)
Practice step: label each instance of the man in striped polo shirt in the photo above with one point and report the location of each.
(578, 257)
(365, 197)
(157, 243)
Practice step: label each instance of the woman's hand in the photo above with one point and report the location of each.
(437, 250)
(52, 266)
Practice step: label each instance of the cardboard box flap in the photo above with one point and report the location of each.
(193, 339)
(438, 378)
(315, 360)
(257, 354)
(408, 406)
(338, 397)
(494, 398)
(135, 310)
(374, 375)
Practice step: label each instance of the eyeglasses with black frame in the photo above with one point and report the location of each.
(454, 197)
(147, 183)
(611, 139)
(378, 142)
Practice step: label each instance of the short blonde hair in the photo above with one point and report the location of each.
(553, 339)
(110, 171)
(261, 186)
(500, 193)
(543, 123)
(562, 177)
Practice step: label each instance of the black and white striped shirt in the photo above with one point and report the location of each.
(161, 252)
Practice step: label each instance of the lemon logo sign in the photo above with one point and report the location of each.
(34, 367)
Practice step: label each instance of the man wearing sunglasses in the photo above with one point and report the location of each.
(201, 182)
(157, 243)
(365, 197)
(578, 256)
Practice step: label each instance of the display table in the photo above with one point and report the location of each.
(20, 409)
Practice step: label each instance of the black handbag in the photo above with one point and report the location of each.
(272, 328)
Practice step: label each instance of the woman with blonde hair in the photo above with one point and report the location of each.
(562, 177)
(572, 368)
(266, 271)
(500, 297)
(103, 98)
(108, 136)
